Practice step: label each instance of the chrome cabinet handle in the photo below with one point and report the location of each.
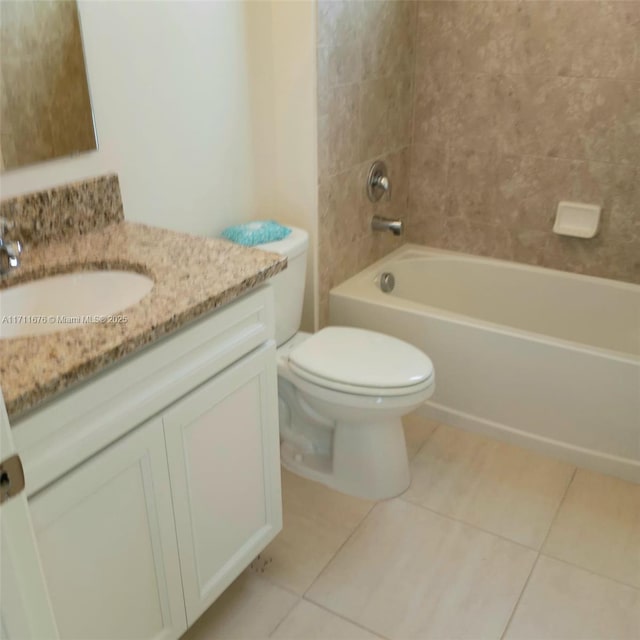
(11, 478)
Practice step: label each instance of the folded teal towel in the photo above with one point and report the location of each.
(253, 233)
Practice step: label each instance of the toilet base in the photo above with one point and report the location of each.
(367, 460)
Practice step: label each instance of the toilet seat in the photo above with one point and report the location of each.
(361, 362)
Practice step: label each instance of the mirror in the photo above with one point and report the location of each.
(45, 109)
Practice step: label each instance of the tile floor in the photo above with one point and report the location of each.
(490, 541)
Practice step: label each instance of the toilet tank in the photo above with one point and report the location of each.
(288, 285)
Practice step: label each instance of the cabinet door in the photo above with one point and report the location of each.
(25, 608)
(224, 462)
(106, 536)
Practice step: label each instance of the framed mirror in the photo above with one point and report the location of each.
(45, 109)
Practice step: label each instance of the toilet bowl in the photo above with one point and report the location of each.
(342, 393)
(339, 431)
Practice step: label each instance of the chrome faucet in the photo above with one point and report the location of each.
(378, 223)
(9, 250)
(378, 183)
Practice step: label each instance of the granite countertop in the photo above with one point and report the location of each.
(192, 276)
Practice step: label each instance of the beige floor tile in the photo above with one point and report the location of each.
(495, 486)
(317, 521)
(562, 602)
(309, 622)
(250, 609)
(598, 527)
(410, 573)
(416, 432)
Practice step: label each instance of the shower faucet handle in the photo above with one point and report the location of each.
(378, 183)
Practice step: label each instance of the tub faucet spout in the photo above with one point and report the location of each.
(378, 223)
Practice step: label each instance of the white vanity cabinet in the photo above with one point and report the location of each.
(153, 485)
(106, 537)
(225, 490)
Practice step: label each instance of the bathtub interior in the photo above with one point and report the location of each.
(591, 311)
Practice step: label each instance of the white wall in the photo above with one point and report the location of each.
(295, 116)
(171, 98)
(206, 110)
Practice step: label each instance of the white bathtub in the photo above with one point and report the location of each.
(537, 357)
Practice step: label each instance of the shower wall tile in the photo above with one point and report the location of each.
(519, 105)
(322, 63)
(545, 37)
(346, 243)
(462, 109)
(529, 188)
(472, 188)
(585, 118)
(428, 181)
(341, 136)
(388, 44)
(366, 56)
(385, 111)
(453, 40)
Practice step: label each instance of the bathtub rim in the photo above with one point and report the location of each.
(352, 288)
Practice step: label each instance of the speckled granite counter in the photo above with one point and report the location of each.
(192, 275)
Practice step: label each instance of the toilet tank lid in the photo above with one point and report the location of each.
(291, 246)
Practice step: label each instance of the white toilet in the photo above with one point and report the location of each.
(342, 392)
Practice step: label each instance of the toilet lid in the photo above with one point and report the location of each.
(360, 358)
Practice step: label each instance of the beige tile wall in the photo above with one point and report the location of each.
(488, 114)
(366, 53)
(518, 105)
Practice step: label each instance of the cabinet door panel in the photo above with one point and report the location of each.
(25, 607)
(223, 449)
(106, 537)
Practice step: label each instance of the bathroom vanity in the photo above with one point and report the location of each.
(150, 450)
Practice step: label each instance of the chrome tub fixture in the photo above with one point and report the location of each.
(378, 223)
(378, 183)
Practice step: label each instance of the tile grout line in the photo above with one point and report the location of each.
(286, 615)
(535, 563)
(339, 549)
(364, 517)
(324, 568)
(517, 603)
(461, 71)
(308, 599)
(628, 585)
(414, 79)
(467, 524)
(303, 596)
(358, 526)
(423, 445)
(275, 583)
(355, 529)
(473, 525)
(367, 161)
(562, 501)
(349, 620)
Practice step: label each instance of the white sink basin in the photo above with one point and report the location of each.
(69, 301)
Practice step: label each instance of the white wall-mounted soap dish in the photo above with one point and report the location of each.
(577, 219)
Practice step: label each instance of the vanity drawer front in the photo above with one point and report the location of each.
(224, 461)
(86, 419)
